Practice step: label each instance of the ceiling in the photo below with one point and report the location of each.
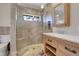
(32, 5)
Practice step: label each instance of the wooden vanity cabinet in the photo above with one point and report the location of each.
(54, 46)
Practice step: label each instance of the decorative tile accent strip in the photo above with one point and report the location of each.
(4, 30)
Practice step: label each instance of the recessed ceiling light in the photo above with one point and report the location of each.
(42, 6)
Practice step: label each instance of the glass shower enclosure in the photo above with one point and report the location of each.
(28, 31)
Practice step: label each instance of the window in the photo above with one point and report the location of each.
(31, 18)
(27, 17)
(36, 18)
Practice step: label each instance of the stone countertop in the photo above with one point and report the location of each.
(72, 38)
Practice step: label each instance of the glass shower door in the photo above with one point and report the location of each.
(29, 31)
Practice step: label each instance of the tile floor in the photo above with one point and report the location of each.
(34, 50)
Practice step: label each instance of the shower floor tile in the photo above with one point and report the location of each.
(34, 50)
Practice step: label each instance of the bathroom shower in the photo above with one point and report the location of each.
(30, 25)
(28, 31)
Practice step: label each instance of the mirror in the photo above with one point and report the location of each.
(62, 14)
(59, 14)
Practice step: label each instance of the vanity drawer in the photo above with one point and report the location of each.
(69, 48)
(61, 52)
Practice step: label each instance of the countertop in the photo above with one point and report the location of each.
(72, 38)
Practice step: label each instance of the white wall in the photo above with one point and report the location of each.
(8, 18)
(4, 14)
(73, 29)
